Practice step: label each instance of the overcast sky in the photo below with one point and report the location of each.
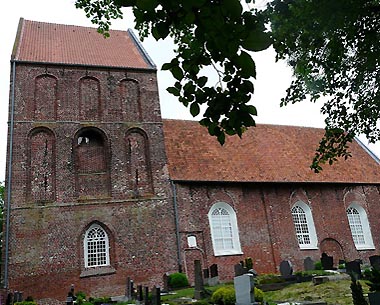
(272, 78)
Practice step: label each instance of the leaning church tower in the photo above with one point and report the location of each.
(90, 200)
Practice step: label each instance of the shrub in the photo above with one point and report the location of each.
(259, 295)
(269, 279)
(224, 296)
(318, 265)
(178, 280)
(26, 303)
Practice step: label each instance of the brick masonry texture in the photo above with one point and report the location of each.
(61, 185)
(90, 147)
(266, 229)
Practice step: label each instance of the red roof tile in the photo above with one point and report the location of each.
(266, 153)
(68, 44)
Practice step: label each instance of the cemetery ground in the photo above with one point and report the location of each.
(332, 292)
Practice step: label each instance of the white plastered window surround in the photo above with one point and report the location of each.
(359, 226)
(224, 229)
(96, 247)
(304, 226)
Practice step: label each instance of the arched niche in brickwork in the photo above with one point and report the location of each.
(298, 195)
(89, 97)
(333, 248)
(45, 98)
(138, 163)
(91, 150)
(354, 195)
(129, 92)
(41, 165)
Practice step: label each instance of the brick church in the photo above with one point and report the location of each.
(102, 188)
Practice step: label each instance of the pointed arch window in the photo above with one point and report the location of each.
(224, 229)
(96, 247)
(359, 226)
(304, 226)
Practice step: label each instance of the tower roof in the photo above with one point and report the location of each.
(266, 153)
(42, 42)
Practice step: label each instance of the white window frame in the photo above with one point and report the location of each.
(105, 240)
(360, 228)
(216, 231)
(311, 232)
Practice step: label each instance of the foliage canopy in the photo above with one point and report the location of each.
(332, 46)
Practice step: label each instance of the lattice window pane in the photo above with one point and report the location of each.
(96, 247)
(301, 226)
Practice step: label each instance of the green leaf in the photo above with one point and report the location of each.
(256, 41)
(194, 109)
(125, 3)
(160, 31)
(202, 81)
(221, 138)
(232, 8)
(177, 73)
(173, 90)
(245, 62)
(147, 5)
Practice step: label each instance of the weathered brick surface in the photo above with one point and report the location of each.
(60, 186)
(265, 222)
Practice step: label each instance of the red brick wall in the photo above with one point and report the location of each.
(265, 222)
(54, 199)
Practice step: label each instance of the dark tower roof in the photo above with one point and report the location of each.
(42, 42)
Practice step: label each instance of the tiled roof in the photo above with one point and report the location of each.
(68, 44)
(266, 153)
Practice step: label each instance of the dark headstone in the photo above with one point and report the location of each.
(375, 261)
(156, 296)
(213, 270)
(198, 280)
(354, 267)
(165, 280)
(327, 262)
(240, 270)
(128, 292)
(140, 296)
(286, 269)
(206, 273)
(146, 296)
(308, 264)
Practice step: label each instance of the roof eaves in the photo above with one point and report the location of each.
(275, 181)
(16, 45)
(141, 49)
(367, 150)
(81, 65)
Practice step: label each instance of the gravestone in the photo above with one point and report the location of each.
(140, 296)
(146, 296)
(375, 261)
(206, 273)
(244, 289)
(128, 291)
(198, 281)
(286, 269)
(165, 280)
(156, 296)
(240, 270)
(327, 262)
(354, 267)
(308, 264)
(214, 275)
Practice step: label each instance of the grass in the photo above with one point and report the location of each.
(334, 293)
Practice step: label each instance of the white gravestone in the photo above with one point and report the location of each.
(244, 289)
